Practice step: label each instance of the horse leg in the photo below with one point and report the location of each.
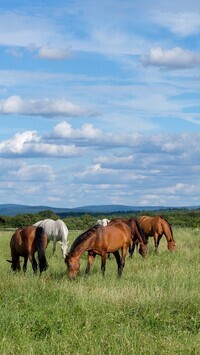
(131, 249)
(103, 262)
(118, 259)
(33, 262)
(156, 242)
(124, 252)
(54, 246)
(25, 263)
(91, 256)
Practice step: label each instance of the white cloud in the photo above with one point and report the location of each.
(54, 53)
(45, 107)
(68, 141)
(18, 143)
(29, 144)
(176, 58)
(65, 130)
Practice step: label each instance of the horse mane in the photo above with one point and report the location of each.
(144, 238)
(82, 237)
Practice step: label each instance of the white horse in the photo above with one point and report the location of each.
(103, 222)
(55, 231)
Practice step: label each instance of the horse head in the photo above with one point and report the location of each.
(14, 266)
(143, 250)
(171, 245)
(73, 266)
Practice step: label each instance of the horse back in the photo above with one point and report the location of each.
(116, 235)
(151, 225)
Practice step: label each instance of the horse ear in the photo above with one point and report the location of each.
(9, 261)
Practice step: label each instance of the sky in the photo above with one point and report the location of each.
(100, 102)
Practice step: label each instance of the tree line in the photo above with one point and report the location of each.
(81, 221)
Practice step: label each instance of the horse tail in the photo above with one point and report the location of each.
(39, 240)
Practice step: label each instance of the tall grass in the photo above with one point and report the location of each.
(153, 309)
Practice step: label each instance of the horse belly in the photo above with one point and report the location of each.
(147, 229)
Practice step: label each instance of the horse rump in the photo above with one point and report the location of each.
(40, 237)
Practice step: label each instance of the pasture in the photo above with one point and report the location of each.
(153, 309)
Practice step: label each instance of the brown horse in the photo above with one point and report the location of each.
(26, 242)
(137, 237)
(137, 234)
(156, 227)
(100, 240)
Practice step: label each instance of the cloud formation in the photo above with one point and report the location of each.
(45, 107)
(126, 105)
(176, 58)
(29, 144)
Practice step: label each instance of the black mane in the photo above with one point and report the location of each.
(144, 238)
(82, 237)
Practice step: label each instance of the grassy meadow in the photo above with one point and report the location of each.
(153, 309)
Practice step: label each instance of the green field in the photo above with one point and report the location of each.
(153, 309)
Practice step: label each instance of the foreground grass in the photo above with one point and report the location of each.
(153, 309)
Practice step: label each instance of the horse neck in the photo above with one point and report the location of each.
(167, 230)
(63, 230)
(82, 247)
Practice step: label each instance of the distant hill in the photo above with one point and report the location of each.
(14, 209)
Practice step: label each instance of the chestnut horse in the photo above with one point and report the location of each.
(26, 242)
(137, 237)
(156, 227)
(102, 240)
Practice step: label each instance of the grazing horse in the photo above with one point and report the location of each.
(26, 242)
(137, 236)
(156, 227)
(55, 231)
(100, 240)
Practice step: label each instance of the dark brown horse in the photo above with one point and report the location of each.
(26, 242)
(100, 240)
(155, 227)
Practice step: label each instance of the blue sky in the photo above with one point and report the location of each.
(100, 102)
